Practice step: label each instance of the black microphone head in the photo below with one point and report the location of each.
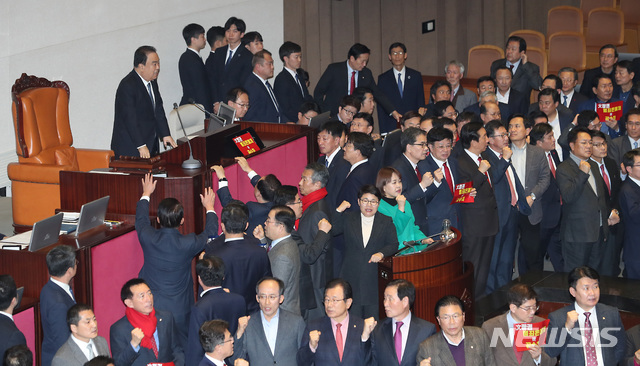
(192, 101)
(175, 105)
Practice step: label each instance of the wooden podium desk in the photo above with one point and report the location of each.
(435, 273)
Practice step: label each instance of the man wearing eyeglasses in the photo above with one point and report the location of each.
(523, 305)
(238, 99)
(272, 335)
(217, 342)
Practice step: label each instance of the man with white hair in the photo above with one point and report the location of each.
(460, 97)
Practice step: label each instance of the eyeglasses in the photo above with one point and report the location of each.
(270, 297)
(369, 202)
(269, 221)
(243, 105)
(399, 53)
(227, 341)
(530, 308)
(307, 118)
(600, 144)
(503, 135)
(421, 144)
(328, 301)
(348, 112)
(453, 317)
(296, 203)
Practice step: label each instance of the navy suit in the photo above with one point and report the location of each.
(136, 122)
(167, 264)
(361, 175)
(586, 88)
(355, 353)
(518, 103)
(169, 348)
(526, 77)
(245, 263)
(233, 75)
(209, 67)
(194, 80)
(392, 147)
(412, 190)
(334, 83)
(11, 335)
(338, 170)
(262, 107)
(550, 224)
(577, 99)
(439, 199)
(206, 362)
(412, 96)
(590, 105)
(258, 212)
(383, 349)
(629, 200)
(568, 347)
(290, 94)
(54, 304)
(214, 304)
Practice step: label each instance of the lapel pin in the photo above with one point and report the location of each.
(408, 77)
(471, 347)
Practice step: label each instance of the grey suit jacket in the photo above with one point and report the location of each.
(537, 180)
(285, 265)
(633, 344)
(464, 98)
(618, 147)
(504, 353)
(253, 345)
(476, 349)
(71, 355)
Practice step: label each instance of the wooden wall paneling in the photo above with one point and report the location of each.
(369, 32)
(393, 25)
(342, 29)
(428, 43)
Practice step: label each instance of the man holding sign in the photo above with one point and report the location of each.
(609, 109)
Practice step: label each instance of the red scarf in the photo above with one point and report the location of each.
(147, 323)
(313, 197)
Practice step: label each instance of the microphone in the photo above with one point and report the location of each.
(190, 163)
(211, 116)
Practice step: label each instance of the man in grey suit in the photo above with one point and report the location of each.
(283, 253)
(272, 335)
(570, 334)
(620, 145)
(460, 97)
(456, 344)
(84, 343)
(523, 305)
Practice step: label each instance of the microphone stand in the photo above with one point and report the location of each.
(211, 116)
(190, 163)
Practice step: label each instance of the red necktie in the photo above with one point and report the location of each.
(551, 165)
(154, 346)
(352, 85)
(447, 176)
(606, 178)
(590, 348)
(518, 353)
(418, 174)
(485, 173)
(397, 340)
(339, 341)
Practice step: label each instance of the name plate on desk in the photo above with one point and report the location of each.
(132, 163)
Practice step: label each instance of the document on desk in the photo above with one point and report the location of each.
(17, 242)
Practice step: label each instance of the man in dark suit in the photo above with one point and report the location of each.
(558, 118)
(411, 165)
(84, 343)
(629, 200)
(479, 219)
(335, 339)
(18, 355)
(265, 107)
(401, 324)
(569, 96)
(608, 59)
(193, 75)
(620, 145)
(245, 261)
(517, 102)
(603, 91)
(542, 135)
(489, 97)
(526, 74)
(632, 354)
(10, 335)
(217, 342)
(408, 95)
(391, 144)
(523, 305)
(213, 303)
(570, 334)
(168, 254)
(139, 115)
(216, 39)
(331, 137)
(624, 75)
(290, 89)
(357, 151)
(341, 78)
(231, 64)
(272, 335)
(56, 298)
(144, 335)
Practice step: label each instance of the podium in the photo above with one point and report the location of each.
(435, 272)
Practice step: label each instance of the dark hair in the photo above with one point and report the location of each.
(628, 159)
(410, 136)
(537, 114)
(126, 293)
(467, 116)
(598, 133)
(521, 42)
(212, 334)
(625, 64)
(356, 50)
(350, 100)
(259, 57)
(60, 259)
(309, 106)
(210, 269)
(493, 126)
(287, 49)
(239, 23)
(483, 107)
(632, 112)
(438, 134)
(251, 37)
(8, 291)
(482, 79)
(596, 80)
(586, 117)
(361, 93)
(520, 293)
(446, 301)
(285, 216)
(100, 360)
(436, 85)
(192, 30)
(234, 216)
(405, 289)
(267, 186)
(140, 56)
(552, 92)
(609, 45)
(538, 132)
(504, 67)
(268, 278)
(525, 121)
(443, 121)
(215, 34)
(581, 272)
(320, 173)
(556, 79)
(346, 287)
(384, 177)
(170, 213)
(19, 355)
(441, 107)
(361, 142)
(365, 116)
(285, 195)
(73, 314)
(334, 128)
(398, 44)
(469, 132)
(409, 115)
(234, 94)
(572, 136)
(569, 69)
(369, 188)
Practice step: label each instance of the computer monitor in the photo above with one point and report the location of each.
(45, 232)
(227, 113)
(92, 214)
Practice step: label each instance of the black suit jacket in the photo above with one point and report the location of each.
(214, 304)
(11, 335)
(230, 76)
(586, 88)
(54, 304)
(518, 103)
(262, 107)
(526, 78)
(383, 348)
(334, 84)
(258, 212)
(194, 80)
(550, 200)
(629, 199)
(618, 147)
(413, 192)
(210, 68)
(169, 348)
(392, 147)
(338, 170)
(439, 199)
(361, 175)
(136, 122)
(290, 94)
(577, 99)
(412, 97)
(501, 189)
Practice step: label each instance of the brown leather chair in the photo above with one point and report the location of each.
(44, 147)
(631, 10)
(587, 5)
(606, 25)
(564, 19)
(566, 49)
(480, 59)
(532, 37)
